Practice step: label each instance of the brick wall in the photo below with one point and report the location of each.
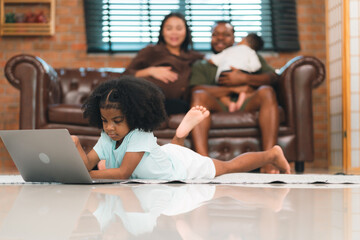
(67, 48)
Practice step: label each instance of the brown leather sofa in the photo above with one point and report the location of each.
(51, 98)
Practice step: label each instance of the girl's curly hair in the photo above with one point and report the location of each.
(141, 102)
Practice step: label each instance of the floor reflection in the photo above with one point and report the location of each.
(118, 212)
(175, 211)
(43, 212)
(137, 208)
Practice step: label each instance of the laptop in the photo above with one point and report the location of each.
(48, 155)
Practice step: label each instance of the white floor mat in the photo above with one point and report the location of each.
(237, 178)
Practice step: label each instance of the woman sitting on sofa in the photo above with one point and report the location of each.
(168, 63)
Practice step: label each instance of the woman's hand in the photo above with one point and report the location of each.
(163, 74)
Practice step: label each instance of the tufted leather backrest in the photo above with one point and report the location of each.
(77, 84)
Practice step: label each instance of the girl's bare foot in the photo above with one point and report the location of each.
(193, 117)
(279, 160)
(275, 197)
(269, 168)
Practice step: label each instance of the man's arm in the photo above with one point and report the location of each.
(266, 76)
(236, 77)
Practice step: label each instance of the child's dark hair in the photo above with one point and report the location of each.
(255, 41)
(140, 101)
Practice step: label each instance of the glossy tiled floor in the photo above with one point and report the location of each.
(179, 211)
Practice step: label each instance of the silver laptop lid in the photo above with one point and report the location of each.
(45, 155)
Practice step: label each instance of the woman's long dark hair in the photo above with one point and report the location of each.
(187, 44)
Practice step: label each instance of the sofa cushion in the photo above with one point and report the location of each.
(72, 114)
(66, 113)
(226, 120)
(77, 84)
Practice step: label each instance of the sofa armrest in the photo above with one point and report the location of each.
(297, 79)
(38, 85)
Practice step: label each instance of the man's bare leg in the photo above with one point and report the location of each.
(192, 118)
(215, 91)
(252, 160)
(264, 100)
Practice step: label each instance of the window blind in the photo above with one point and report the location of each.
(284, 26)
(130, 25)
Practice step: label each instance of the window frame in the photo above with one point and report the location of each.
(279, 29)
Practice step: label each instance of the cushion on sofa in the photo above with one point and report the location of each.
(66, 113)
(225, 120)
(72, 114)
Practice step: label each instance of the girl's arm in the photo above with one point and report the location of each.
(127, 167)
(91, 159)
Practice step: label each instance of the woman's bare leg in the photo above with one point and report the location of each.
(253, 160)
(192, 118)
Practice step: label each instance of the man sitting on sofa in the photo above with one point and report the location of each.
(205, 92)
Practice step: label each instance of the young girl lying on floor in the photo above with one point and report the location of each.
(128, 110)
